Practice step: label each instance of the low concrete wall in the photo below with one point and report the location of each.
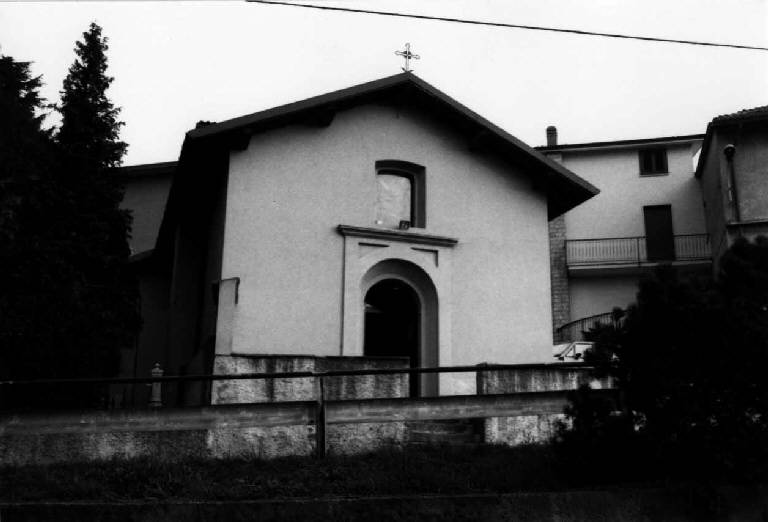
(531, 428)
(246, 420)
(340, 438)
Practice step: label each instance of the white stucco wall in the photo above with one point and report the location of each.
(293, 186)
(618, 210)
(597, 295)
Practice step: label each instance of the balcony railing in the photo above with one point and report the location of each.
(576, 330)
(634, 250)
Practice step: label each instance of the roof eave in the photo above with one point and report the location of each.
(621, 144)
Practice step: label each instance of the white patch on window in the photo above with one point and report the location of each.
(394, 200)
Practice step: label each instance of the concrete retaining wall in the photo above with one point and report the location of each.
(340, 438)
(530, 428)
(264, 429)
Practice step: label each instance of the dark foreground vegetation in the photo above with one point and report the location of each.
(689, 359)
(411, 471)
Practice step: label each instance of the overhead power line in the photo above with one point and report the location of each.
(511, 26)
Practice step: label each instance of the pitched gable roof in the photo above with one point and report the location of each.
(571, 189)
(564, 189)
(742, 116)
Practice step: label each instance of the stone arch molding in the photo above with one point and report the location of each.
(424, 262)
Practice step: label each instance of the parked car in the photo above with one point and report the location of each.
(571, 352)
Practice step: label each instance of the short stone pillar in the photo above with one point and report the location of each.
(156, 397)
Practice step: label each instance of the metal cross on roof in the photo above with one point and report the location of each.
(408, 55)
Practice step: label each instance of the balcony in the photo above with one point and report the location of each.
(632, 252)
(577, 330)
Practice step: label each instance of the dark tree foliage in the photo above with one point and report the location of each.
(689, 359)
(71, 304)
(89, 127)
(25, 148)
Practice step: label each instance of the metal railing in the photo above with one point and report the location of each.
(633, 250)
(575, 330)
(318, 411)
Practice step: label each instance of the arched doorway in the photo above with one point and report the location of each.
(400, 318)
(393, 323)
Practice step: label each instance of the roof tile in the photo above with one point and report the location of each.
(755, 112)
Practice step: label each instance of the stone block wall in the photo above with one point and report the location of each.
(558, 270)
(303, 389)
(530, 428)
(341, 438)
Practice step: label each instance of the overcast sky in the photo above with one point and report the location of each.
(175, 63)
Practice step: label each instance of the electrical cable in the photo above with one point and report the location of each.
(511, 26)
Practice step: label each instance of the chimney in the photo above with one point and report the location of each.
(551, 136)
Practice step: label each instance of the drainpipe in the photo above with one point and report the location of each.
(729, 151)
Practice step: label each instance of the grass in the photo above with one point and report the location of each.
(430, 470)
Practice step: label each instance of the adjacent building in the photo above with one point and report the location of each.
(733, 175)
(649, 211)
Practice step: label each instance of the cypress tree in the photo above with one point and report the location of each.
(68, 304)
(93, 229)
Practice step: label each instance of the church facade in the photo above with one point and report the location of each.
(384, 220)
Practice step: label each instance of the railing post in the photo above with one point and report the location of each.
(481, 379)
(320, 417)
(156, 397)
(637, 249)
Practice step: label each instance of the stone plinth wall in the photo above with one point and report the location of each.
(530, 428)
(341, 438)
(265, 390)
(303, 389)
(364, 386)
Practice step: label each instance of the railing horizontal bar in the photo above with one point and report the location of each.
(627, 237)
(626, 251)
(166, 419)
(293, 375)
(252, 415)
(450, 407)
(644, 262)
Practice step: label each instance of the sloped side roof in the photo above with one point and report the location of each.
(742, 116)
(642, 142)
(146, 170)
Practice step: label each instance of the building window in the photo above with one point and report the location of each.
(653, 161)
(401, 198)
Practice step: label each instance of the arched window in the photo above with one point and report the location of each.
(401, 194)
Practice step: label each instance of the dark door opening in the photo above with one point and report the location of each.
(659, 238)
(392, 324)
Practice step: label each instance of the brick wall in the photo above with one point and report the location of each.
(561, 302)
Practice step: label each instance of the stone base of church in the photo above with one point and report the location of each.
(304, 389)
